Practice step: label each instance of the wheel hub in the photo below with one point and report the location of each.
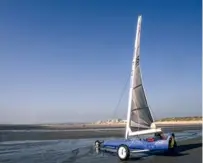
(122, 152)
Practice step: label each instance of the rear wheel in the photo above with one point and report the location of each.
(123, 152)
(172, 145)
(97, 144)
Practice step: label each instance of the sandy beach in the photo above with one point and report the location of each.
(88, 125)
(180, 123)
(76, 146)
(6, 135)
(77, 150)
(52, 132)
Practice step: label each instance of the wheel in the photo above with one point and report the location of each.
(172, 145)
(97, 143)
(123, 152)
(175, 144)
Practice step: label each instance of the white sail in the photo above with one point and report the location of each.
(139, 114)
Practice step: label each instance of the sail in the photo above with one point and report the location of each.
(140, 113)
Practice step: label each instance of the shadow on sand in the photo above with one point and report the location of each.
(183, 148)
(179, 152)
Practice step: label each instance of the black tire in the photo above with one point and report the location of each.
(175, 144)
(172, 148)
(97, 144)
(123, 152)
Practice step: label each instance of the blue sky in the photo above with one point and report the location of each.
(63, 61)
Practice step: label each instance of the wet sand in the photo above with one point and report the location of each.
(59, 126)
(10, 135)
(77, 150)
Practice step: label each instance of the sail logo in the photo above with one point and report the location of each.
(137, 60)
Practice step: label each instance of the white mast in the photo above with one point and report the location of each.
(139, 96)
(132, 75)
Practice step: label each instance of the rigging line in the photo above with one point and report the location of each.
(121, 96)
(152, 112)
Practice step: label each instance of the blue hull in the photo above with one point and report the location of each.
(137, 144)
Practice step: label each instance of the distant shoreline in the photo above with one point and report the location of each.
(179, 122)
(89, 126)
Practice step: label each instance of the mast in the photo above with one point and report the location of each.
(135, 56)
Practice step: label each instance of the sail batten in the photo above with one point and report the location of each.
(140, 112)
(137, 86)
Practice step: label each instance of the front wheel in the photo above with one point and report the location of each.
(123, 152)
